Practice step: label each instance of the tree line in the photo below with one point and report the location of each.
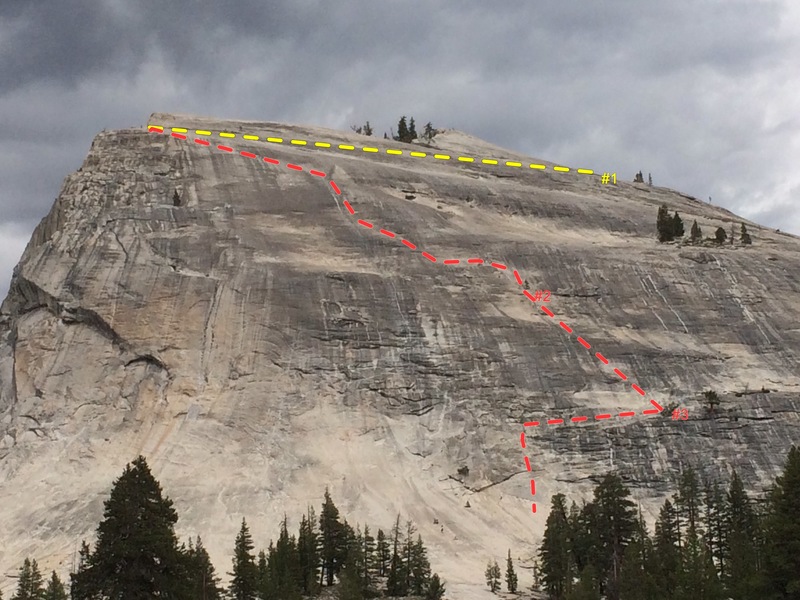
(709, 543)
(137, 555)
(406, 131)
(670, 228)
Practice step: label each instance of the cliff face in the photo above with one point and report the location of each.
(257, 343)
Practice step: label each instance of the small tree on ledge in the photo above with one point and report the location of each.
(712, 401)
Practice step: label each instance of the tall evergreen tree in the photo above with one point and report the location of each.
(720, 235)
(429, 131)
(351, 586)
(739, 551)
(412, 130)
(587, 587)
(202, 580)
(419, 568)
(397, 579)
(137, 553)
(283, 565)
(616, 523)
(782, 556)
(30, 585)
(81, 584)
(677, 226)
(368, 551)
(244, 582)
(511, 575)
(696, 233)
(636, 581)
(436, 589)
(716, 530)
(308, 553)
(55, 589)
(383, 554)
(492, 575)
(744, 237)
(557, 566)
(333, 540)
(664, 225)
(666, 550)
(402, 130)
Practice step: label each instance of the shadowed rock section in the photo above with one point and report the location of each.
(256, 344)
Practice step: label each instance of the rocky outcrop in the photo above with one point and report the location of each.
(258, 344)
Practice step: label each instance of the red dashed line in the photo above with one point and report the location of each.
(473, 261)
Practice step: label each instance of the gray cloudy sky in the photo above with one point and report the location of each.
(704, 94)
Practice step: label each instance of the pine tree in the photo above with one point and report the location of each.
(244, 582)
(350, 586)
(202, 577)
(744, 237)
(408, 551)
(383, 554)
(429, 131)
(720, 235)
(137, 553)
(739, 550)
(396, 582)
(677, 226)
(436, 589)
(635, 580)
(419, 568)
(333, 540)
(30, 585)
(557, 566)
(664, 225)
(696, 234)
(666, 550)
(308, 553)
(716, 508)
(55, 589)
(412, 130)
(492, 575)
(369, 557)
(81, 583)
(616, 522)
(283, 565)
(712, 401)
(782, 554)
(581, 534)
(402, 130)
(511, 576)
(176, 199)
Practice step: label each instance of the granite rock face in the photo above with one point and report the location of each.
(258, 344)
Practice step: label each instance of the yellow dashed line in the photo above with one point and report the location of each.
(392, 151)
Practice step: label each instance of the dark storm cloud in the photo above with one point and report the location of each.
(701, 93)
